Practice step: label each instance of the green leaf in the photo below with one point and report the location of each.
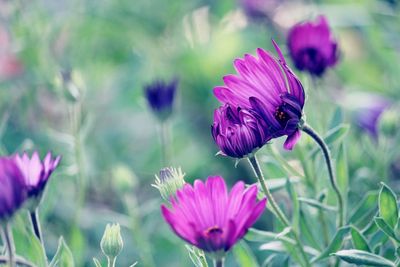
(388, 209)
(197, 256)
(316, 204)
(244, 256)
(295, 205)
(359, 240)
(63, 257)
(334, 245)
(337, 118)
(366, 209)
(386, 228)
(97, 262)
(306, 231)
(360, 257)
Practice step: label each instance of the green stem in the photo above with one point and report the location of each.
(327, 155)
(277, 211)
(9, 241)
(111, 261)
(219, 262)
(165, 143)
(34, 215)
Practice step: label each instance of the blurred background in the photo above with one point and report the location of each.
(71, 81)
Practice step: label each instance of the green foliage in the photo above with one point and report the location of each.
(63, 256)
(360, 257)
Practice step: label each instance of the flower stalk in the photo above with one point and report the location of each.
(277, 211)
(219, 262)
(9, 242)
(332, 177)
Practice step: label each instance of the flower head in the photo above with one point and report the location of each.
(12, 188)
(160, 96)
(312, 46)
(208, 217)
(169, 181)
(238, 132)
(35, 172)
(268, 87)
(111, 244)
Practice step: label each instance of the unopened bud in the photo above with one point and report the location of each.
(111, 244)
(169, 181)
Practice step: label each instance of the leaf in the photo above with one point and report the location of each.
(316, 204)
(96, 262)
(386, 228)
(337, 118)
(284, 232)
(306, 231)
(334, 245)
(295, 204)
(63, 256)
(360, 257)
(282, 247)
(388, 209)
(244, 256)
(359, 240)
(366, 209)
(196, 255)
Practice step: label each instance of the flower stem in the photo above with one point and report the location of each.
(165, 143)
(111, 261)
(34, 215)
(277, 211)
(327, 155)
(9, 241)
(219, 262)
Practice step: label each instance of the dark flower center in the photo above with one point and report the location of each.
(212, 231)
(281, 116)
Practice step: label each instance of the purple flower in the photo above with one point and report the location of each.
(238, 132)
(312, 46)
(209, 217)
(268, 87)
(258, 8)
(160, 96)
(35, 172)
(12, 188)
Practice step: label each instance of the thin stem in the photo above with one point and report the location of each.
(327, 155)
(34, 215)
(165, 143)
(219, 262)
(111, 261)
(277, 211)
(10, 244)
(19, 260)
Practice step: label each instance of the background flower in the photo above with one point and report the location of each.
(312, 46)
(209, 217)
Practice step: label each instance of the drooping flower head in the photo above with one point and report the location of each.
(238, 132)
(12, 188)
(313, 47)
(208, 217)
(36, 172)
(160, 95)
(268, 87)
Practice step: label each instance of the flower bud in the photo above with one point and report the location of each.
(111, 244)
(169, 181)
(389, 122)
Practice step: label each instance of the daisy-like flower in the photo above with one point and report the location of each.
(267, 86)
(36, 172)
(12, 188)
(238, 132)
(160, 95)
(313, 47)
(208, 217)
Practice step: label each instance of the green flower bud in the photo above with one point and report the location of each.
(111, 244)
(389, 122)
(169, 181)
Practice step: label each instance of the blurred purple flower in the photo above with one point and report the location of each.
(12, 188)
(160, 95)
(267, 86)
(238, 132)
(258, 8)
(312, 46)
(35, 172)
(209, 218)
(366, 115)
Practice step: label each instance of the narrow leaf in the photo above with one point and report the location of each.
(295, 204)
(63, 257)
(334, 245)
(316, 204)
(359, 240)
(366, 209)
(386, 228)
(388, 209)
(360, 257)
(244, 256)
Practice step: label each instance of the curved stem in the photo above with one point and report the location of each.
(277, 211)
(327, 155)
(10, 244)
(219, 262)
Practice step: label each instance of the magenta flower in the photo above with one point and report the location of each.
(35, 172)
(209, 217)
(238, 132)
(267, 86)
(312, 46)
(12, 188)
